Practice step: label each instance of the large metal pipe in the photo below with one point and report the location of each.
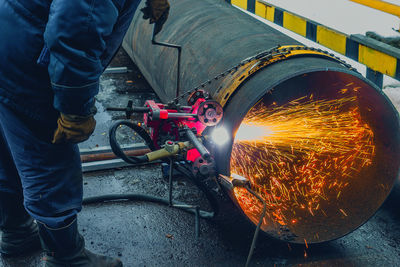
(215, 37)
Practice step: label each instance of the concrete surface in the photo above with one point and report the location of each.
(146, 234)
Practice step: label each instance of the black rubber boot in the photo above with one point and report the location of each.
(20, 232)
(65, 247)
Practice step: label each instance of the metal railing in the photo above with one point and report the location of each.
(379, 58)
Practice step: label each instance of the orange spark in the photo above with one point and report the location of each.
(299, 154)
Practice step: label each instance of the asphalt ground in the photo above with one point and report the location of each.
(147, 234)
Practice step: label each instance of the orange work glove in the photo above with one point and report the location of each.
(73, 129)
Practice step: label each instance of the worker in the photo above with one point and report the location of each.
(52, 53)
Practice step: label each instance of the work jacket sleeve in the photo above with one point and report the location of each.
(75, 38)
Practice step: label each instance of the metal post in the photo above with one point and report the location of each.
(375, 77)
(171, 162)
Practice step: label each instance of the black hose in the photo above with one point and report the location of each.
(148, 198)
(116, 148)
(143, 197)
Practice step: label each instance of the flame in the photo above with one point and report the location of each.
(297, 154)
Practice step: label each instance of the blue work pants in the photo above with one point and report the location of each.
(47, 176)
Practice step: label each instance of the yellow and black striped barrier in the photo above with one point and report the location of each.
(379, 58)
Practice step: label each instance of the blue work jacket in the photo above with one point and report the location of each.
(52, 52)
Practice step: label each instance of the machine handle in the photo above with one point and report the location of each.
(133, 110)
(157, 28)
(197, 144)
(130, 109)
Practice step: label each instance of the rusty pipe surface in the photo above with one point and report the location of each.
(312, 110)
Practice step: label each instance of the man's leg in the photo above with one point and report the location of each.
(51, 178)
(20, 232)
